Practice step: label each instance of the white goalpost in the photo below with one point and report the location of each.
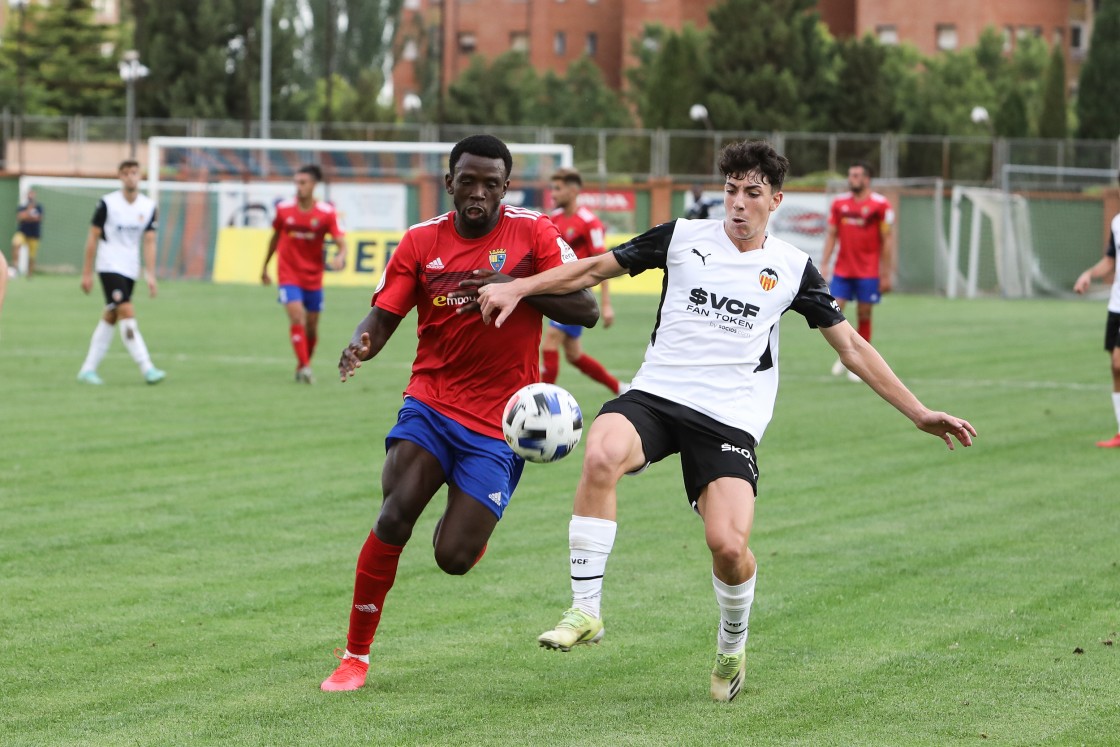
(1030, 237)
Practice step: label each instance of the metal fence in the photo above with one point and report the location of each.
(617, 155)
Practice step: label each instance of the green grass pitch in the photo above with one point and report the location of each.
(176, 561)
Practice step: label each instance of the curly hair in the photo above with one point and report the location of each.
(740, 159)
(485, 146)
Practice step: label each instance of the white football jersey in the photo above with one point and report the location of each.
(123, 225)
(714, 346)
(1113, 242)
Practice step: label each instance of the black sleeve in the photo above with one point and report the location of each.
(814, 301)
(1110, 250)
(100, 215)
(646, 251)
(153, 224)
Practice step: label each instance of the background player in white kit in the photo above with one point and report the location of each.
(123, 223)
(706, 388)
(1103, 269)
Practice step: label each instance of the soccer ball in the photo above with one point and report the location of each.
(542, 423)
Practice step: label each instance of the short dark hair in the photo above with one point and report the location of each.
(485, 146)
(568, 176)
(312, 170)
(861, 164)
(740, 159)
(128, 164)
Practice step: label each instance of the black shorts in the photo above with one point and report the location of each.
(708, 448)
(117, 288)
(1111, 330)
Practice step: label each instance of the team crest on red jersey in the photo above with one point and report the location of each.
(767, 279)
(497, 259)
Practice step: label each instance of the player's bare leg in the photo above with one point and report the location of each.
(462, 532)
(1114, 442)
(613, 449)
(727, 507)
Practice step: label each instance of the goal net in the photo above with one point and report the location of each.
(214, 190)
(1030, 238)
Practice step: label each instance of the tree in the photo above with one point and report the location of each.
(1099, 87)
(65, 67)
(775, 72)
(863, 100)
(496, 93)
(671, 76)
(1054, 115)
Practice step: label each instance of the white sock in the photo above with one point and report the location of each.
(359, 657)
(1116, 407)
(734, 609)
(98, 346)
(134, 341)
(590, 541)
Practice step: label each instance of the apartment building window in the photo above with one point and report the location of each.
(592, 46)
(560, 43)
(411, 51)
(1008, 39)
(946, 36)
(887, 34)
(1024, 31)
(1077, 38)
(519, 41)
(468, 42)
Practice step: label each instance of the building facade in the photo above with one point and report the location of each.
(554, 33)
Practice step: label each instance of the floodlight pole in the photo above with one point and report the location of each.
(266, 67)
(21, 7)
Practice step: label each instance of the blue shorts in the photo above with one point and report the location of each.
(311, 300)
(571, 330)
(864, 290)
(481, 466)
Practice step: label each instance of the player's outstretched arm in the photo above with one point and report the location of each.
(498, 300)
(578, 307)
(369, 337)
(1102, 269)
(859, 357)
(92, 237)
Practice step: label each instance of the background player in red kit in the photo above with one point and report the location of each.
(299, 232)
(862, 221)
(585, 234)
(449, 429)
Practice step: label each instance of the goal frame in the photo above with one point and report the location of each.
(159, 144)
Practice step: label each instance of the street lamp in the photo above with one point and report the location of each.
(699, 113)
(131, 71)
(20, 6)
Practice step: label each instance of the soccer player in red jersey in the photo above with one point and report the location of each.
(861, 220)
(449, 429)
(299, 232)
(585, 234)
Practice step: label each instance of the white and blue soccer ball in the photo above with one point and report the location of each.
(542, 423)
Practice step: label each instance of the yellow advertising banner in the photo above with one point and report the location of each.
(240, 254)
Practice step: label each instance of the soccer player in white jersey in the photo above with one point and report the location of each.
(124, 223)
(1103, 269)
(706, 388)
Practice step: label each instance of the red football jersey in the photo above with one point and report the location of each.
(582, 230)
(302, 233)
(465, 369)
(859, 231)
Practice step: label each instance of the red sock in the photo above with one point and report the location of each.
(311, 346)
(865, 329)
(299, 344)
(377, 569)
(595, 370)
(550, 366)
